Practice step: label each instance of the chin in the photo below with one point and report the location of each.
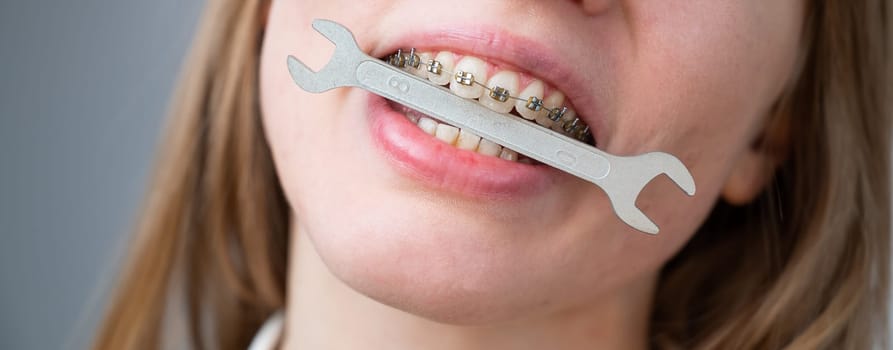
(456, 268)
(444, 282)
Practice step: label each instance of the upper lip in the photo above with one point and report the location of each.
(500, 46)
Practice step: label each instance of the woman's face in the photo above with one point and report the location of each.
(464, 237)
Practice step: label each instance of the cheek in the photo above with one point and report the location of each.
(701, 79)
(697, 81)
(708, 70)
(307, 130)
(301, 127)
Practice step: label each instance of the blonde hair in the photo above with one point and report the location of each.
(805, 266)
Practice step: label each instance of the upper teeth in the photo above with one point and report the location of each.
(469, 78)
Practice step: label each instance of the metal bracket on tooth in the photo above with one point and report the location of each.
(622, 178)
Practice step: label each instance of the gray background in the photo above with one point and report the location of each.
(84, 87)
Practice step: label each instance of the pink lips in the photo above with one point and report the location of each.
(441, 166)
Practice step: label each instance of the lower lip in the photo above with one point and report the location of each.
(438, 165)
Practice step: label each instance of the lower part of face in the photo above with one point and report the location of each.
(692, 78)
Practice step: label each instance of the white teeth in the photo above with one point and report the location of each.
(489, 148)
(467, 140)
(447, 133)
(469, 78)
(508, 154)
(446, 59)
(478, 72)
(466, 79)
(555, 100)
(506, 80)
(536, 89)
(422, 71)
(428, 125)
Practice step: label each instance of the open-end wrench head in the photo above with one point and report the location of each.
(632, 216)
(676, 171)
(337, 34)
(632, 174)
(305, 77)
(339, 71)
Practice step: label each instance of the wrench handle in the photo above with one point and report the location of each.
(532, 140)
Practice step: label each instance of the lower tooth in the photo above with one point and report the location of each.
(508, 154)
(489, 148)
(467, 140)
(447, 133)
(428, 125)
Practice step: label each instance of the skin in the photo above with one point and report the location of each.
(383, 259)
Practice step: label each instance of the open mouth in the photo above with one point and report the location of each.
(506, 73)
(495, 87)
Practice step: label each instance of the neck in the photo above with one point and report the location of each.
(324, 313)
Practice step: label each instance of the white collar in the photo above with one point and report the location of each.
(268, 335)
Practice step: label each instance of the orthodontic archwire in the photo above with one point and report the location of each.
(575, 128)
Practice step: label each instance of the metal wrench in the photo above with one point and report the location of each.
(622, 178)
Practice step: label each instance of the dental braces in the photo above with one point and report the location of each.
(574, 128)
